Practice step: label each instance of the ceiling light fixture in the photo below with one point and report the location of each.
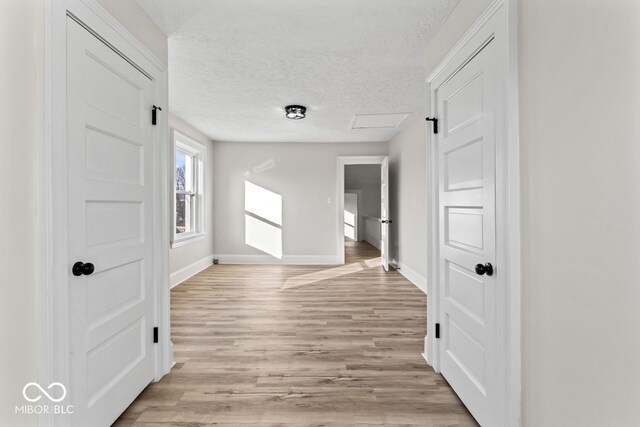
(295, 112)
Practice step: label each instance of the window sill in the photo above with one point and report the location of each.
(185, 240)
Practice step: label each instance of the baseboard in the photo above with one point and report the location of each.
(184, 273)
(285, 260)
(414, 277)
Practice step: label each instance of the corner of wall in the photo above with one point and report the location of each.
(190, 270)
(189, 259)
(408, 199)
(136, 21)
(461, 18)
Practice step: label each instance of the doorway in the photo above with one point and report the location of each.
(363, 206)
(362, 210)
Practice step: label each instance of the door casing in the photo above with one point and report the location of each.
(498, 21)
(51, 203)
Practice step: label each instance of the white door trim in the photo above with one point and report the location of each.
(52, 270)
(342, 162)
(500, 20)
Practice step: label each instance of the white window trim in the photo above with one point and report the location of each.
(199, 152)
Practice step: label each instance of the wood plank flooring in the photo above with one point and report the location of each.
(359, 251)
(339, 347)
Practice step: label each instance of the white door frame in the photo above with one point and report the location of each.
(342, 162)
(499, 21)
(52, 270)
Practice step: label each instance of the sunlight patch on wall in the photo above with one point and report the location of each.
(263, 203)
(263, 236)
(349, 225)
(349, 218)
(349, 232)
(263, 219)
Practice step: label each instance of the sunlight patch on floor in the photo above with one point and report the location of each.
(331, 273)
(374, 262)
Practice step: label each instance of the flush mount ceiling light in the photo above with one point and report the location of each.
(295, 112)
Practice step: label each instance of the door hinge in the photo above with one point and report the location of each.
(154, 118)
(435, 123)
(437, 330)
(155, 335)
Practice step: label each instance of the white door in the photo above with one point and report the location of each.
(110, 178)
(466, 104)
(384, 213)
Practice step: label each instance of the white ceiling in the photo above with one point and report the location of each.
(235, 64)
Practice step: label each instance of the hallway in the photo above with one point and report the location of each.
(341, 346)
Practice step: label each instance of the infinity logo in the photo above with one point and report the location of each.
(43, 391)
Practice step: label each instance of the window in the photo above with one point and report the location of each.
(188, 186)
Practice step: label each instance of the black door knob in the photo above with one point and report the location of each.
(386, 221)
(80, 268)
(484, 269)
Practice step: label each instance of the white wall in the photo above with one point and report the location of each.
(138, 23)
(303, 174)
(408, 197)
(21, 59)
(580, 151)
(372, 232)
(188, 259)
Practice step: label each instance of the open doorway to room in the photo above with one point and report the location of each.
(362, 212)
(363, 206)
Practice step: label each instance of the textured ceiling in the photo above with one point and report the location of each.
(235, 64)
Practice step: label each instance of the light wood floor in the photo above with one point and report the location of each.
(359, 251)
(299, 346)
